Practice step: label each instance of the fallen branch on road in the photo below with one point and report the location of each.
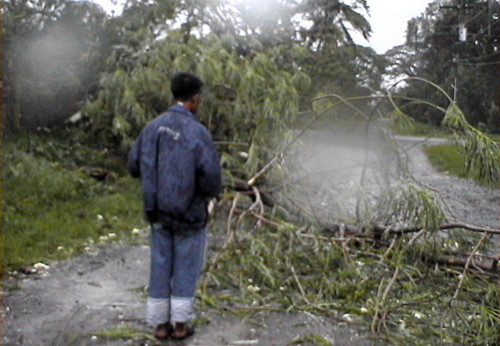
(380, 229)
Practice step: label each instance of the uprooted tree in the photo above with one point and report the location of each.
(372, 241)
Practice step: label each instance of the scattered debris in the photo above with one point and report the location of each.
(244, 342)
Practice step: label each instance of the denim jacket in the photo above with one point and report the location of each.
(179, 168)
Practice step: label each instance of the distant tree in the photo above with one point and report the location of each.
(322, 28)
(52, 54)
(433, 51)
(328, 23)
(334, 61)
(55, 50)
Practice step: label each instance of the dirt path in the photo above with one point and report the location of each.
(98, 292)
(466, 201)
(105, 289)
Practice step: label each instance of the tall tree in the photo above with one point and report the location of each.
(335, 63)
(330, 22)
(52, 53)
(466, 68)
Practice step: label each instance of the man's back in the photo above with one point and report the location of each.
(178, 166)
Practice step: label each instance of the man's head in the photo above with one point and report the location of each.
(186, 89)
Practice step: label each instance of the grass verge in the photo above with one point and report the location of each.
(450, 159)
(51, 210)
(423, 130)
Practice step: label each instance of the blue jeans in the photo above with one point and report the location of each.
(177, 261)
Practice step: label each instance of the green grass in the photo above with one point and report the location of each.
(450, 159)
(51, 211)
(311, 339)
(421, 129)
(424, 130)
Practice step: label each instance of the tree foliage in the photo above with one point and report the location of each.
(52, 53)
(331, 22)
(55, 50)
(433, 51)
(244, 98)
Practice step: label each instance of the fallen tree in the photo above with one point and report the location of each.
(398, 277)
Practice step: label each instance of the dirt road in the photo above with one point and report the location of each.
(102, 291)
(465, 201)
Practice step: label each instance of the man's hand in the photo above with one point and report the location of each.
(211, 206)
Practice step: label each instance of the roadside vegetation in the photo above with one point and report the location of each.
(53, 208)
(421, 129)
(449, 159)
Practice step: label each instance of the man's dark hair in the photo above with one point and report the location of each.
(185, 85)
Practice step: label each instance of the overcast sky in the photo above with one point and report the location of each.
(388, 19)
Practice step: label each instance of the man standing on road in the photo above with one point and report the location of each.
(179, 169)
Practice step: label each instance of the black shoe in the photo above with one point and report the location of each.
(182, 330)
(163, 331)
